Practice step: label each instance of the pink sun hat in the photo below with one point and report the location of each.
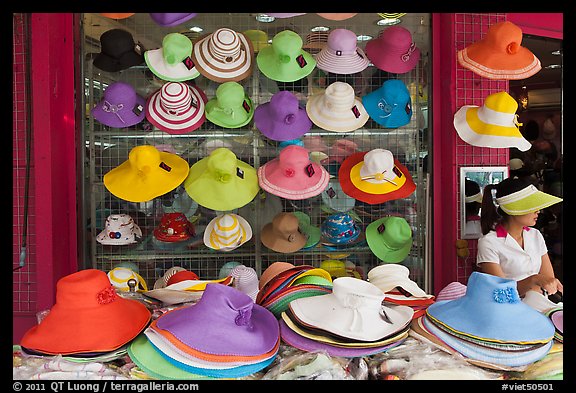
(393, 50)
(282, 118)
(341, 54)
(292, 175)
(177, 108)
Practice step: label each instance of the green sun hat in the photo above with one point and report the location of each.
(285, 60)
(172, 62)
(311, 232)
(222, 182)
(231, 108)
(527, 200)
(154, 364)
(389, 238)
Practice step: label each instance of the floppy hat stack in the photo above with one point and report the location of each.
(173, 61)
(527, 200)
(224, 335)
(283, 234)
(490, 324)
(390, 105)
(500, 55)
(311, 232)
(394, 281)
(231, 107)
(292, 175)
(224, 55)
(556, 315)
(88, 317)
(335, 199)
(288, 282)
(494, 124)
(226, 232)
(118, 51)
(282, 118)
(375, 177)
(389, 238)
(340, 229)
(120, 107)
(170, 19)
(337, 108)
(351, 321)
(147, 174)
(120, 277)
(285, 60)
(341, 54)
(221, 181)
(174, 227)
(177, 108)
(120, 229)
(393, 50)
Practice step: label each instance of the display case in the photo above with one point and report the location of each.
(108, 147)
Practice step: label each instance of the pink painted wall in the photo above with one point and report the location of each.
(545, 24)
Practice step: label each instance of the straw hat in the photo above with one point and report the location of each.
(119, 277)
(387, 277)
(174, 227)
(282, 118)
(245, 280)
(527, 200)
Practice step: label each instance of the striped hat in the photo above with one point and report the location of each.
(494, 124)
(245, 280)
(227, 232)
(173, 61)
(177, 108)
(224, 55)
(527, 200)
(119, 277)
(452, 291)
(315, 41)
(341, 55)
(337, 109)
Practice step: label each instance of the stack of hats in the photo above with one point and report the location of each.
(89, 319)
(556, 315)
(340, 230)
(489, 325)
(351, 321)
(224, 335)
(283, 282)
(398, 288)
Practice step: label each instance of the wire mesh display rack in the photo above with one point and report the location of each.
(107, 147)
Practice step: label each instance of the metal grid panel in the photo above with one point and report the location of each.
(108, 147)
(472, 89)
(24, 287)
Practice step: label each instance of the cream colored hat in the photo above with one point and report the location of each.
(227, 232)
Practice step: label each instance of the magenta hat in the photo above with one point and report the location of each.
(393, 50)
(225, 321)
(292, 175)
(177, 108)
(282, 118)
(341, 55)
(120, 107)
(169, 19)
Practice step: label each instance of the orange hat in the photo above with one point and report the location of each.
(117, 15)
(88, 317)
(500, 55)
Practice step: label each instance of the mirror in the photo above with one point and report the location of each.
(472, 183)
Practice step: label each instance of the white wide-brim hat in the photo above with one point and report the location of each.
(389, 276)
(178, 72)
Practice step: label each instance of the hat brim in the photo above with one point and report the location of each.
(309, 186)
(390, 60)
(103, 237)
(488, 64)
(174, 73)
(370, 193)
(328, 61)
(278, 130)
(183, 123)
(380, 249)
(397, 118)
(172, 23)
(475, 132)
(245, 234)
(233, 120)
(537, 201)
(270, 65)
(125, 183)
(330, 120)
(275, 243)
(122, 118)
(337, 16)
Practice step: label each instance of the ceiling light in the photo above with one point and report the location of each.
(553, 66)
(557, 52)
(363, 37)
(388, 22)
(265, 18)
(196, 29)
(319, 28)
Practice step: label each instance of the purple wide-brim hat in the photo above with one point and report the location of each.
(306, 344)
(225, 321)
(169, 19)
(114, 111)
(282, 119)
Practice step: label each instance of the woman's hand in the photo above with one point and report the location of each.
(549, 284)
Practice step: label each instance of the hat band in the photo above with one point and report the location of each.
(490, 116)
(178, 107)
(111, 108)
(517, 196)
(380, 176)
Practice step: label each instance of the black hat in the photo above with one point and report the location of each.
(118, 51)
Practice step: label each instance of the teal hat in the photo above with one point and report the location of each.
(311, 232)
(231, 108)
(389, 238)
(172, 62)
(285, 60)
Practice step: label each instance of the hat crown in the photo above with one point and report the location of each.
(230, 95)
(342, 40)
(176, 47)
(84, 289)
(174, 223)
(176, 98)
(245, 279)
(116, 42)
(224, 45)
(143, 158)
(378, 161)
(285, 224)
(222, 163)
(395, 91)
(122, 223)
(293, 158)
(227, 226)
(504, 37)
(396, 38)
(284, 106)
(501, 102)
(338, 226)
(227, 303)
(355, 293)
(120, 93)
(485, 287)
(287, 43)
(396, 232)
(339, 96)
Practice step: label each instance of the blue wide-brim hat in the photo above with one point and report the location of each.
(390, 105)
(492, 310)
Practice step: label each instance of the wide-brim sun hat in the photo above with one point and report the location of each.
(177, 108)
(282, 118)
(499, 55)
(224, 55)
(494, 124)
(173, 61)
(118, 51)
(120, 107)
(221, 181)
(353, 310)
(375, 177)
(231, 107)
(389, 238)
(147, 174)
(393, 50)
(258, 37)
(292, 175)
(227, 232)
(171, 19)
(491, 310)
(388, 277)
(283, 234)
(285, 60)
(527, 200)
(390, 105)
(341, 55)
(337, 108)
(88, 317)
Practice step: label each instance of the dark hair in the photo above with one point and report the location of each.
(471, 188)
(491, 215)
(531, 131)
